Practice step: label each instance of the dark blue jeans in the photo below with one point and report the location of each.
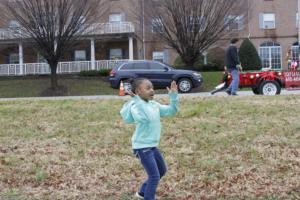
(234, 85)
(155, 167)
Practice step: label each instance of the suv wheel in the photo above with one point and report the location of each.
(185, 85)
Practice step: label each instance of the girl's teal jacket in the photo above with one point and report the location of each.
(146, 117)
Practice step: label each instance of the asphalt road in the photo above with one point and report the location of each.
(192, 95)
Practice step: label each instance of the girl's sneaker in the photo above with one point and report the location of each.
(139, 195)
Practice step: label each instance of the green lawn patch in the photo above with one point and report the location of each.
(215, 148)
(32, 86)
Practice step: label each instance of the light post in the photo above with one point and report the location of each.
(143, 29)
(298, 32)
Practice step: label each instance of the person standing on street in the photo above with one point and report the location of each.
(233, 65)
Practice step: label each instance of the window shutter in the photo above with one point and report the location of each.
(123, 17)
(125, 54)
(226, 22)
(166, 56)
(202, 23)
(241, 22)
(7, 59)
(107, 54)
(72, 55)
(261, 20)
(88, 54)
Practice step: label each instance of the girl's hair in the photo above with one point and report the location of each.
(135, 83)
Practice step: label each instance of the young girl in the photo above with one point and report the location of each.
(145, 113)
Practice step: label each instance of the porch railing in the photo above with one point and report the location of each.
(110, 28)
(62, 67)
(6, 33)
(94, 29)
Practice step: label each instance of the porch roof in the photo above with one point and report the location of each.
(103, 30)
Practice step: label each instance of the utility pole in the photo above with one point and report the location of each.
(298, 32)
(143, 28)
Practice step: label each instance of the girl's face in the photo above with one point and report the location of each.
(145, 90)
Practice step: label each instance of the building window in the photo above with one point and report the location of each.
(115, 54)
(158, 56)
(196, 24)
(267, 21)
(82, 19)
(41, 59)
(13, 58)
(295, 52)
(235, 23)
(156, 25)
(270, 55)
(14, 24)
(115, 18)
(14, 1)
(80, 55)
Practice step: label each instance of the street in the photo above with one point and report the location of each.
(104, 97)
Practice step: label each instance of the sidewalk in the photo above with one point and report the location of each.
(105, 97)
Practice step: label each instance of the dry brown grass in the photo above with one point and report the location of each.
(216, 148)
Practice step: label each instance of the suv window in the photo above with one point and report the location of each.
(140, 66)
(157, 66)
(128, 66)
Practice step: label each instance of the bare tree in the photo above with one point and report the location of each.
(192, 26)
(54, 25)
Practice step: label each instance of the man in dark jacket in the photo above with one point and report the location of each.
(233, 65)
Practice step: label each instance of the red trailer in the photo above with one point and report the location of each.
(264, 82)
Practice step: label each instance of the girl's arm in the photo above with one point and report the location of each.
(172, 108)
(126, 113)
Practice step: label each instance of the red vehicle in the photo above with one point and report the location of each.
(265, 82)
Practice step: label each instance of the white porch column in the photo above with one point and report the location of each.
(21, 57)
(130, 48)
(93, 53)
(205, 57)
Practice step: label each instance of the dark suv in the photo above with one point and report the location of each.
(160, 74)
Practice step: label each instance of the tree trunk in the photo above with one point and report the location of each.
(54, 83)
(189, 61)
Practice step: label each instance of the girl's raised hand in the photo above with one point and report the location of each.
(174, 88)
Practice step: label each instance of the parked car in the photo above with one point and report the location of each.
(161, 75)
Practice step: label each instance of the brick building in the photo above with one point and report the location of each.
(120, 34)
(273, 28)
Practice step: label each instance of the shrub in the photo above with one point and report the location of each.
(215, 58)
(248, 56)
(209, 67)
(179, 64)
(102, 72)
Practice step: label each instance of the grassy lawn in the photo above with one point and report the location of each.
(32, 86)
(216, 148)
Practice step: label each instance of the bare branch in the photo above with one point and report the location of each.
(55, 26)
(192, 26)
